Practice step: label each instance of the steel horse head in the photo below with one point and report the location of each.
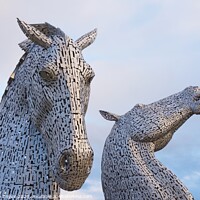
(56, 83)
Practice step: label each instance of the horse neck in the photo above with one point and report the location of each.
(14, 115)
(25, 167)
(151, 168)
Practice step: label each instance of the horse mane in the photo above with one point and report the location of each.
(12, 77)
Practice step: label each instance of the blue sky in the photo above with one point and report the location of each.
(145, 50)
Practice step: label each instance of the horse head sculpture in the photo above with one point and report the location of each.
(50, 87)
(129, 167)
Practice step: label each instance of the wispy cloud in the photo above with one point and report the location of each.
(193, 181)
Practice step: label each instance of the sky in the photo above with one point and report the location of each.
(145, 50)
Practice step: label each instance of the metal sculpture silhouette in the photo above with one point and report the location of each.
(129, 167)
(43, 140)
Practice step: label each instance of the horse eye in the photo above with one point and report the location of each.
(47, 75)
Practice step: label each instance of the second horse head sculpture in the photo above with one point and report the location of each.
(129, 167)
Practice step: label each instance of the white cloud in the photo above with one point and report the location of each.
(92, 191)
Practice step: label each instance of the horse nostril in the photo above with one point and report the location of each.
(66, 165)
(64, 162)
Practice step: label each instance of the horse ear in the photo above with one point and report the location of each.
(87, 39)
(34, 34)
(109, 116)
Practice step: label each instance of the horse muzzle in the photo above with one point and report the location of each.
(73, 168)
